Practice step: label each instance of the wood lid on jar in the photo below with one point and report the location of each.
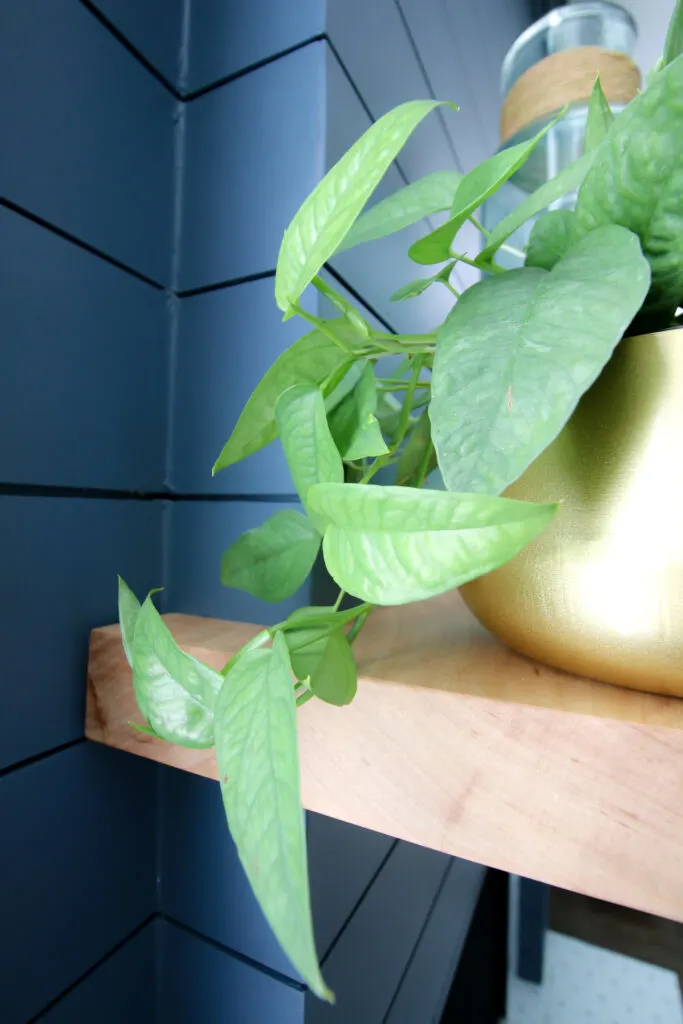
(566, 77)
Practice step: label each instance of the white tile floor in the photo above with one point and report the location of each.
(586, 985)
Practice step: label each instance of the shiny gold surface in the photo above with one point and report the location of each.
(601, 591)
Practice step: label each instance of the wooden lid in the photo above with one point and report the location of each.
(566, 77)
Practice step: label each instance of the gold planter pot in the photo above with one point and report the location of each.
(600, 593)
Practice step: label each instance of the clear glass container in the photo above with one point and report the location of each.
(584, 23)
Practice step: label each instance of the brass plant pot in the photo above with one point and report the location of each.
(600, 593)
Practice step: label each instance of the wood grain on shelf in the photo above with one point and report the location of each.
(457, 743)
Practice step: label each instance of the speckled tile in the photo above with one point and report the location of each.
(584, 984)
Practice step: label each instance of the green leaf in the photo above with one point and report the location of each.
(393, 545)
(273, 560)
(407, 206)
(311, 453)
(129, 609)
(326, 216)
(474, 188)
(310, 360)
(326, 660)
(599, 119)
(550, 238)
(409, 291)
(637, 181)
(519, 350)
(175, 692)
(562, 184)
(414, 452)
(353, 424)
(258, 766)
(673, 45)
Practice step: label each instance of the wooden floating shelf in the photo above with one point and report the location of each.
(456, 743)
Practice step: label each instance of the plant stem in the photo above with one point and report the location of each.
(340, 598)
(424, 464)
(452, 290)
(358, 625)
(304, 698)
(404, 418)
(378, 464)
(492, 267)
(478, 225)
(517, 253)
(322, 326)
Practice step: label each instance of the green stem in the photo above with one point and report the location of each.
(304, 698)
(452, 290)
(512, 251)
(358, 625)
(424, 464)
(322, 326)
(404, 419)
(378, 464)
(479, 226)
(340, 598)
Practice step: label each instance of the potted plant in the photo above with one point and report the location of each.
(483, 397)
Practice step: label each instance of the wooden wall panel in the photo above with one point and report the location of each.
(77, 868)
(154, 27)
(366, 965)
(122, 990)
(59, 565)
(227, 37)
(83, 366)
(253, 151)
(89, 130)
(201, 983)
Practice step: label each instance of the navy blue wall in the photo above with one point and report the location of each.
(157, 150)
(86, 186)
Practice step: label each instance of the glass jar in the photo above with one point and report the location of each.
(549, 66)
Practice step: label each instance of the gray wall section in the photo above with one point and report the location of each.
(227, 36)
(77, 866)
(90, 132)
(203, 984)
(120, 990)
(84, 384)
(59, 564)
(154, 28)
(87, 135)
(252, 153)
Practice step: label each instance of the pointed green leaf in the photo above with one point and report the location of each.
(273, 560)
(519, 350)
(310, 360)
(416, 452)
(175, 692)
(409, 291)
(562, 184)
(258, 767)
(673, 45)
(353, 424)
(599, 118)
(407, 206)
(637, 181)
(311, 453)
(326, 660)
(129, 609)
(326, 216)
(550, 237)
(393, 545)
(474, 188)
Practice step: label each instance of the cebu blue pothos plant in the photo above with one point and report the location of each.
(483, 396)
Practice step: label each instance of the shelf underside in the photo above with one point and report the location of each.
(456, 743)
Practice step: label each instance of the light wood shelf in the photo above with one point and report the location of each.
(457, 743)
